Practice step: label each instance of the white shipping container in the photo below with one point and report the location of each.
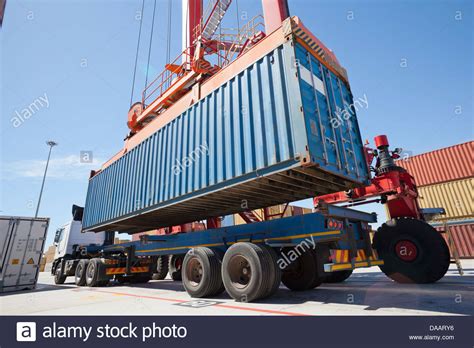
(21, 246)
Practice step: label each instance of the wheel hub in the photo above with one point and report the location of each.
(406, 250)
(194, 272)
(240, 271)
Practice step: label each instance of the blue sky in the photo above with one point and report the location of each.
(412, 59)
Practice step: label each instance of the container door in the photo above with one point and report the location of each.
(331, 122)
(345, 127)
(321, 135)
(22, 260)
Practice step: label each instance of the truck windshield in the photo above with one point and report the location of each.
(59, 235)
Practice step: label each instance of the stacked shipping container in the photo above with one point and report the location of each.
(445, 179)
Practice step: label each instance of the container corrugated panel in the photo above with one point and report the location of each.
(447, 164)
(454, 196)
(463, 239)
(21, 247)
(266, 136)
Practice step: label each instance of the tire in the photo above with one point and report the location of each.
(246, 270)
(412, 251)
(320, 254)
(338, 277)
(162, 264)
(93, 273)
(175, 265)
(202, 273)
(302, 273)
(275, 281)
(220, 257)
(80, 274)
(59, 277)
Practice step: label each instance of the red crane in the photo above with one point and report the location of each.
(199, 42)
(391, 184)
(405, 242)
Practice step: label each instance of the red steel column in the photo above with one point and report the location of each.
(191, 17)
(274, 12)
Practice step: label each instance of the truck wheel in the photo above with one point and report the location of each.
(412, 251)
(337, 277)
(275, 270)
(161, 268)
(92, 273)
(59, 277)
(302, 273)
(246, 270)
(175, 265)
(202, 273)
(80, 274)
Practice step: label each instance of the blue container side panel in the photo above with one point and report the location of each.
(331, 123)
(249, 124)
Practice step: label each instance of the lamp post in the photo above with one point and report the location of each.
(50, 143)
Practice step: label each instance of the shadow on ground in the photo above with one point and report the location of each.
(452, 294)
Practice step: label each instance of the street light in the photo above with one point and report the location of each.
(50, 143)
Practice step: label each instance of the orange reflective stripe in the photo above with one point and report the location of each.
(139, 269)
(115, 270)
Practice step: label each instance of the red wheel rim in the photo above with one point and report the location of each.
(406, 250)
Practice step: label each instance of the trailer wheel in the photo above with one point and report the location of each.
(275, 277)
(412, 251)
(202, 272)
(80, 274)
(302, 273)
(175, 265)
(59, 277)
(161, 268)
(93, 272)
(246, 270)
(338, 277)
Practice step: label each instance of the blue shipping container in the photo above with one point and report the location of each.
(281, 130)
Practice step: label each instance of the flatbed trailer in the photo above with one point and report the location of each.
(248, 261)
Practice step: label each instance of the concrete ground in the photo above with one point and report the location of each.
(366, 292)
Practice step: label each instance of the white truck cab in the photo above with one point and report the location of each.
(70, 235)
(72, 245)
